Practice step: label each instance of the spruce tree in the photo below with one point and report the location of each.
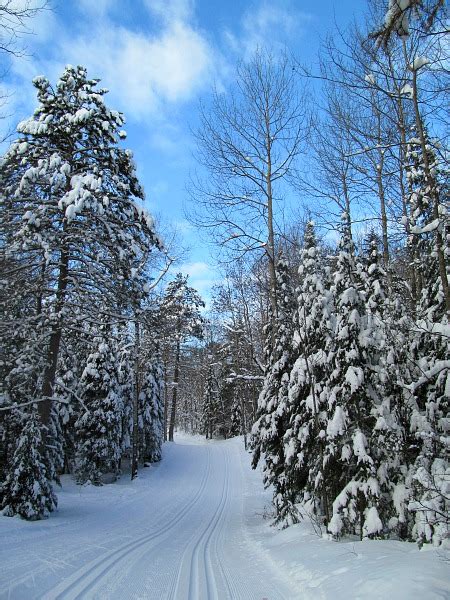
(352, 470)
(237, 424)
(151, 408)
(98, 429)
(385, 341)
(27, 491)
(304, 439)
(273, 406)
(430, 226)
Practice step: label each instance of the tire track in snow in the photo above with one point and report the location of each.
(85, 579)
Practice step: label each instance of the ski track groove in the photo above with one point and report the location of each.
(123, 551)
(219, 529)
(229, 582)
(124, 501)
(214, 526)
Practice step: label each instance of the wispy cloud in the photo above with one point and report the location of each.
(202, 276)
(272, 24)
(146, 72)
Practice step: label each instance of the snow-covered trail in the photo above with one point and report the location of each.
(178, 532)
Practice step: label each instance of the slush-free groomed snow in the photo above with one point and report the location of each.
(192, 527)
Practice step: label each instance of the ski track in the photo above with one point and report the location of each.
(198, 558)
(87, 579)
(180, 536)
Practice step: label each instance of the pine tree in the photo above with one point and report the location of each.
(151, 409)
(237, 424)
(208, 415)
(304, 439)
(273, 406)
(126, 377)
(68, 407)
(69, 208)
(98, 429)
(27, 491)
(352, 469)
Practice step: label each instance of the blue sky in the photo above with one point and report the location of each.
(158, 58)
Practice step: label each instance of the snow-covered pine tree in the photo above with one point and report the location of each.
(71, 362)
(305, 436)
(151, 407)
(126, 377)
(207, 418)
(27, 491)
(273, 414)
(351, 467)
(237, 418)
(69, 207)
(385, 340)
(429, 349)
(98, 429)
(70, 217)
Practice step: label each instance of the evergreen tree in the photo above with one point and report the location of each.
(273, 407)
(151, 409)
(54, 445)
(429, 235)
(98, 429)
(27, 491)
(305, 437)
(69, 208)
(385, 344)
(352, 470)
(237, 424)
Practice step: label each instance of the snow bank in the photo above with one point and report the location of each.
(326, 569)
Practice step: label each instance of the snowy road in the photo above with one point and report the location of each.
(178, 532)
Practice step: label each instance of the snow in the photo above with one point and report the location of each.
(192, 527)
(420, 62)
(407, 90)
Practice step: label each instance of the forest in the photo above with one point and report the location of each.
(324, 346)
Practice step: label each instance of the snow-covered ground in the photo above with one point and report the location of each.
(193, 527)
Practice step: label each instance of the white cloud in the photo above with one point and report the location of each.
(195, 269)
(144, 72)
(272, 23)
(172, 10)
(97, 7)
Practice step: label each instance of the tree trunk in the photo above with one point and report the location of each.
(271, 236)
(166, 397)
(439, 246)
(176, 376)
(45, 406)
(135, 437)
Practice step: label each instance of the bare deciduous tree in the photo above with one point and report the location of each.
(248, 142)
(14, 23)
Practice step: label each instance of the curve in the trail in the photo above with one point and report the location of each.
(88, 577)
(182, 536)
